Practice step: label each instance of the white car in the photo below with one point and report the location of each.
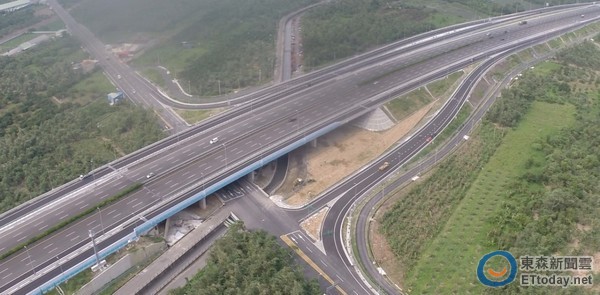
(150, 175)
(214, 140)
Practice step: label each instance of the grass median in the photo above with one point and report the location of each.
(126, 191)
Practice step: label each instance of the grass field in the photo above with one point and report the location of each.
(194, 116)
(16, 42)
(95, 86)
(405, 105)
(555, 43)
(154, 75)
(53, 26)
(546, 67)
(75, 283)
(543, 48)
(456, 250)
(441, 86)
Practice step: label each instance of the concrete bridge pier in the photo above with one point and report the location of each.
(167, 226)
(251, 176)
(313, 143)
(202, 204)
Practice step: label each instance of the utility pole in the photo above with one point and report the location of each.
(95, 249)
(259, 75)
(219, 83)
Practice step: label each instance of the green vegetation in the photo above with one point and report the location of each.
(6, 46)
(194, 116)
(346, 27)
(75, 283)
(481, 200)
(244, 262)
(47, 136)
(509, 110)
(407, 104)
(88, 89)
(421, 214)
(53, 26)
(343, 28)
(583, 55)
(153, 74)
(212, 43)
(126, 191)
(19, 19)
(536, 194)
(440, 87)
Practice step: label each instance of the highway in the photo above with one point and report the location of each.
(364, 216)
(193, 162)
(140, 91)
(256, 100)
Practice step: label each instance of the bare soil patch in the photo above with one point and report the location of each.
(343, 151)
(312, 224)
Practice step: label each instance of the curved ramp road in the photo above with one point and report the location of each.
(191, 163)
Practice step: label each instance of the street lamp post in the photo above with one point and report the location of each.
(95, 249)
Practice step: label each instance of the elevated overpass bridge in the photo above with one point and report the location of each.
(189, 168)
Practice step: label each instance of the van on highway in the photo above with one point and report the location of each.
(214, 140)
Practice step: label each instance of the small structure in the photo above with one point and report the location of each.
(15, 5)
(85, 66)
(114, 97)
(125, 51)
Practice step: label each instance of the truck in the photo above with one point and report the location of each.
(523, 22)
(384, 166)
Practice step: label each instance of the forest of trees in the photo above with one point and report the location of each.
(346, 27)
(553, 207)
(249, 262)
(557, 202)
(343, 28)
(10, 22)
(241, 37)
(44, 143)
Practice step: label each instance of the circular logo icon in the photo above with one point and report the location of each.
(493, 274)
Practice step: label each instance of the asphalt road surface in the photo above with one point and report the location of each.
(194, 162)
